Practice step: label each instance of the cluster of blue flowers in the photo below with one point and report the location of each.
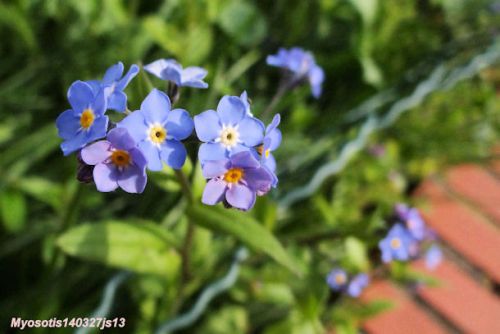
(408, 238)
(236, 149)
(339, 280)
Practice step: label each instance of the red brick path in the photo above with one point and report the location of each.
(463, 207)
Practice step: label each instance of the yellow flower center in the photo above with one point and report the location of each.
(395, 243)
(339, 279)
(260, 150)
(120, 158)
(234, 175)
(229, 136)
(157, 133)
(87, 118)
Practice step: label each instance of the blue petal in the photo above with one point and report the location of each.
(274, 139)
(172, 72)
(80, 96)
(231, 110)
(117, 101)
(241, 197)
(179, 124)
(207, 125)
(156, 107)
(251, 131)
(132, 179)
(316, 77)
(193, 77)
(258, 179)
(270, 163)
(99, 129)
(95, 85)
(274, 123)
(121, 139)
(215, 168)
(67, 124)
(75, 143)
(214, 192)
(138, 158)
(173, 153)
(132, 72)
(156, 67)
(152, 154)
(136, 125)
(113, 73)
(244, 160)
(99, 103)
(211, 151)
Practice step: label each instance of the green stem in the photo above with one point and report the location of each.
(283, 88)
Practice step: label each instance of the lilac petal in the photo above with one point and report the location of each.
(156, 67)
(275, 139)
(207, 125)
(173, 153)
(244, 160)
(179, 124)
(156, 107)
(258, 179)
(113, 73)
(80, 96)
(132, 179)
(211, 151)
(123, 82)
(96, 153)
(136, 125)
(138, 158)
(215, 168)
(231, 110)
(117, 101)
(241, 197)
(251, 131)
(121, 139)
(214, 192)
(269, 162)
(67, 124)
(274, 123)
(105, 177)
(75, 143)
(152, 155)
(316, 77)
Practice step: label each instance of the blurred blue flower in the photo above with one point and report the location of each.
(272, 140)
(433, 257)
(357, 285)
(170, 70)
(413, 221)
(118, 163)
(228, 131)
(157, 130)
(236, 180)
(397, 245)
(337, 279)
(113, 85)
(85, 121)
(301, 65)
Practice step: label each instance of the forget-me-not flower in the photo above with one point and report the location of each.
(433, 257)
(85, 121)
(301, 65)
(158, 131)
(170, 70)
(118, 163)
(357, 284)
(397, 245)
(272, 140)
(113, 85)
(227, 131)
(413, 221)
(337, 279)
(236, 180)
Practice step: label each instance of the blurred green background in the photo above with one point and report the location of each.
(376, 51)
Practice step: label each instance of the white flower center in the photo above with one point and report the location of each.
(157, 133)
(229, 136)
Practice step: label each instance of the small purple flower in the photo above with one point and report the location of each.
(357, 285)
(433, 257)
(272, 140)
(397, 245)
(337, 279)
(170, 70)
(157, 130)
(113, 85)
(118, 163)
(301, 65)
(413, 221)
(85, 121)
(228, 131)
(237, 180)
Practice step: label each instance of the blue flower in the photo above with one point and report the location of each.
(85, 121)
(113, 85)
(228, 131)
(337, 279)
(397, 245)
(236, 180)
(414, 222)
(157, 130)
(357, 285)
(272, 140)
(433, 257)
(301, 65)
(170, 70)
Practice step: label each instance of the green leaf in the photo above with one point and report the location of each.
(13, 210)
(356, 254)
(144, 248)
(245, 228)
(242, 21)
